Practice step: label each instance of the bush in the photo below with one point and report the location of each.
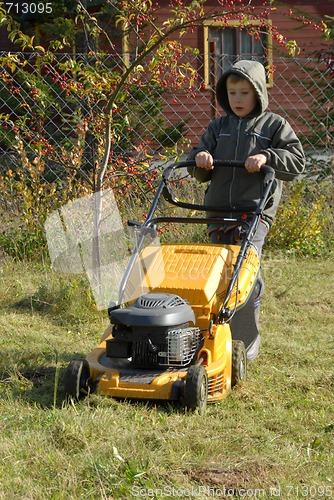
(303, 223)
(26, 200)
(304, 219)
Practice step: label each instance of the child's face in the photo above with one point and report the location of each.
(241, 96)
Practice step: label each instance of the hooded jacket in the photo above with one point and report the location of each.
(232, 138)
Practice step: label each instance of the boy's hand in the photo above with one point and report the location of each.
(204, 159)
(255, 162)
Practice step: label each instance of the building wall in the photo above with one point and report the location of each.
(198, 111)
(309, 39)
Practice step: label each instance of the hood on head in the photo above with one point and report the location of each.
(254, 72)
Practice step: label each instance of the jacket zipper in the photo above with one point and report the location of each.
(235, 157)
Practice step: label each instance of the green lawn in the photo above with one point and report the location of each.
(273, 437)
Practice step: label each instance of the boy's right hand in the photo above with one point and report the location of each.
(204, 160)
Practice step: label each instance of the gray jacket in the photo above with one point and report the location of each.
(233, 138)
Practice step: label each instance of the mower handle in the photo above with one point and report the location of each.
(267, 170)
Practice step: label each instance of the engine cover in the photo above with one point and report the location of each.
(154, 309)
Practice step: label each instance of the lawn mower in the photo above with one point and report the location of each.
(184, 321)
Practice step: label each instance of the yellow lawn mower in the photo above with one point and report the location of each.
(184, 321)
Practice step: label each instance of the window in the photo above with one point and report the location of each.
(225, 46)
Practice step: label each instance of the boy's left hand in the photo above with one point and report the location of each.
(255, 162)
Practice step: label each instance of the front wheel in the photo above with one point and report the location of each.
(196, 389)
(77, 381)
(239, 362)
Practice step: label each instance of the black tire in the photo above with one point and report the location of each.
(196, 389)
(77, 381)
(239, 362)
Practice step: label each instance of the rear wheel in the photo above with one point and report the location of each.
(196, 389)
(77, 381)
(239, 362)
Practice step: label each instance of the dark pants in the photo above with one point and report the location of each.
(232, 237)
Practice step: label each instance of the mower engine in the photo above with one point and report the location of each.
(154, 332)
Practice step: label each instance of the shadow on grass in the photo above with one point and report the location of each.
(44, 386)
(33, 385)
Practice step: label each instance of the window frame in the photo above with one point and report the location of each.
(233, 24)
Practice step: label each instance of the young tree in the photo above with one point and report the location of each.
(97, 88)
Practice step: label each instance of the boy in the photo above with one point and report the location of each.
(249, 134)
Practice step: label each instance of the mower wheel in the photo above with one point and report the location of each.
(77, 381)
(196, 389)
(239, 362)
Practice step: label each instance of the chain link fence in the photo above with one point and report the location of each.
(302, 92)
(45, 115)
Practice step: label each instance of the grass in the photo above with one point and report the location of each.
(272, 437)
